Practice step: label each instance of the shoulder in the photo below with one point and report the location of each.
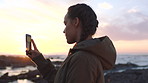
(83, 56)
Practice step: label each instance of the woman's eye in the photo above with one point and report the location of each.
(64, 22)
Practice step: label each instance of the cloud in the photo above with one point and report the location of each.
(128, 26)
(76, 1)
(133, 10)
(105, 5)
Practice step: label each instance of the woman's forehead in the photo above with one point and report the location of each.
(66, 16)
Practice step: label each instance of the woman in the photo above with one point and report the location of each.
(89, 56)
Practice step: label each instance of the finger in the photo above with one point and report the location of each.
(28, 53)
(31, 46)
(34, 45)
(33, 53)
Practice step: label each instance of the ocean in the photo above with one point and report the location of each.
(140, 60)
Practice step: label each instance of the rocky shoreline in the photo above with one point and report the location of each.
(121, 73)
(128, 76)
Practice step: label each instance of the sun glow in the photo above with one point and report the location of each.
(43, 19)
(132, 47)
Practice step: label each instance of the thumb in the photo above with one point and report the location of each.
(34, 45)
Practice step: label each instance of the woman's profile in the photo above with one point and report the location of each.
(88, 57)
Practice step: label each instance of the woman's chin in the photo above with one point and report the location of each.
(70, 42)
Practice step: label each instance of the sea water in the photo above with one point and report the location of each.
(17, 71)
(22, 81)
(141, 60)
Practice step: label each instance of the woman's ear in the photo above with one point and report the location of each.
(76, 21)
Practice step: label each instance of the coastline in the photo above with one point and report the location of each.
(121, 73)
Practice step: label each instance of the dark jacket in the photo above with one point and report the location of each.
(84, 64)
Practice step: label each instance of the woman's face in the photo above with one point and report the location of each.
(70, 30)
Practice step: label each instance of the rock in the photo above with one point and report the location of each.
(128, 65)
(129, 76)
(2, 64)
(112, 76)
(5, 78)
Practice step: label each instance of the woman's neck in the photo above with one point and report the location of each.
(88, 38)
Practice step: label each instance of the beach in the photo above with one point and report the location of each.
(128, 69)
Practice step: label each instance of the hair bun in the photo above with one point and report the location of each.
(97, 23)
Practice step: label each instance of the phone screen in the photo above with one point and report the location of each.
(28, 42)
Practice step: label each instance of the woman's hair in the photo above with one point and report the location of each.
(87, 18)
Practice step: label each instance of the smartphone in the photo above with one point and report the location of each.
(28, 42)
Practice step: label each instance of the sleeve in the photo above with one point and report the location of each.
(46, 68)
(82, 70)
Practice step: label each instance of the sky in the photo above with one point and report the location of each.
(124, 21)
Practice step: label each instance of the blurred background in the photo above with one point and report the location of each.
(125, 22)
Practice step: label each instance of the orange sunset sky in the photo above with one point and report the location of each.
(125, 22)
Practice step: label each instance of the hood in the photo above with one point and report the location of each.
(101, 47)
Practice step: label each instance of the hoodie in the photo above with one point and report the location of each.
(102, 48)
(85, 63)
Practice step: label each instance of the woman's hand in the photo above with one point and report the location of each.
(33, 53)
